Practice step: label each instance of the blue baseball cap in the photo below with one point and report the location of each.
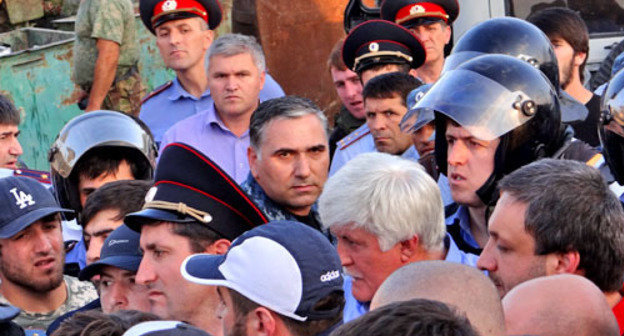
(164, 328)
(121, 249)
(24, 202)
(285, 266)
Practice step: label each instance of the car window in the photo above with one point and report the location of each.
(603, 17)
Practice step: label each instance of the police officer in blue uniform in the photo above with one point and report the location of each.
(184, 32)
(373, 48)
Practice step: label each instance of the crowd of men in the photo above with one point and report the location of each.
(474, 194)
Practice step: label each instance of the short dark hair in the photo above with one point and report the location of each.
(106, 160)
(410, 318)
(288, 107)
(97, 323)
(199, 235)
(242, 307)
(125, 196)
(401, 67)
(564, 23)
(9, 115)
(390, 85)
(335, 57)
(571, 208)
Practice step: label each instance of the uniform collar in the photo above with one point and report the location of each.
(177, 92)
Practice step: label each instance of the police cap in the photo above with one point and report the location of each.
(381, 42)
(190, 188)
(409, 13)
(157, 12)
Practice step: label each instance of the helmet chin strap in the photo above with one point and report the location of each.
(487, 193)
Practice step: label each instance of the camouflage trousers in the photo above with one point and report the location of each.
(125, 95)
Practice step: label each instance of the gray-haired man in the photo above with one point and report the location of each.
(288, 158)
(236, 72)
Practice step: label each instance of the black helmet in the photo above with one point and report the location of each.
(518, 38)
(497, 96)
(611, 127)
(99, 130)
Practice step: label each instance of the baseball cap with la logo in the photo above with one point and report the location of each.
(24, 202)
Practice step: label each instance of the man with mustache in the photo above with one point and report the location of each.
(385, 212)
(32, 256)
(288, 158)
(385, 104)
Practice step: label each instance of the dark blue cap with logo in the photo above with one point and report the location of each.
(121, 249)
(24, 202)
(285, 266)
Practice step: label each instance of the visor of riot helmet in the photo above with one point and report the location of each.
(455, 59)
(415, 119)
(97, 129)
(479, 104)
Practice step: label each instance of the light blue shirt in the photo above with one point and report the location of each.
(463, 218)
(357, 142)
(208, 134)
(174, 104)
(354, 308)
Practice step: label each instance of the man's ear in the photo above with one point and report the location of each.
(261, 322)
(252, 157)
(579, 58)
(408, 248)
(220, 246)
(563, 263)
(447, 34)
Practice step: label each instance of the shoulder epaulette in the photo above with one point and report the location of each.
(352, 138)
(157, 91)
(39, 175)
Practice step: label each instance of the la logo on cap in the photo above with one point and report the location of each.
(417, 9)
(169, 5)
(22, 199)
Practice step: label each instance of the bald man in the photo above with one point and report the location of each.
(463, 287)
(558, 305)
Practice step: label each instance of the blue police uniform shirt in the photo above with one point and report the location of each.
(462, 218)
(207, 133)
(357, 142)
(172, 103)
(354, 308)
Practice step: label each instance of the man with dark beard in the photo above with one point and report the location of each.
(32, 256)
(570, 39)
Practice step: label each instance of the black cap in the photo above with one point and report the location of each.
(381, 42)
(409, 13)
(189, 187)
(157, 12)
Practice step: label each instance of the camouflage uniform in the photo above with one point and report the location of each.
(275, 212)
(79, 293)
(111, 20)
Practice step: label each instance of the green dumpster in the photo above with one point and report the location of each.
(35, 74)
